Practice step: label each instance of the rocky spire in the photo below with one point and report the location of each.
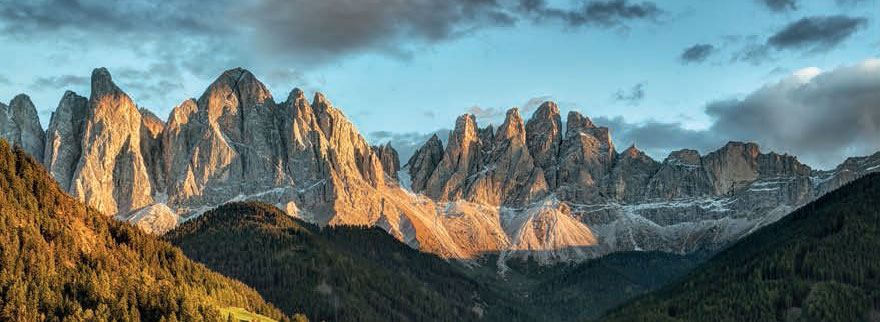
(543, 138)
(423, 162)
(64, 138)
(20, 125)
(510, 176)
(586, 157)
(577, 123)
(461, 158)
(388, 156)
(631, 174)
(111, 175)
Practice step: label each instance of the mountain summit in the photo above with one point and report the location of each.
(529, 188)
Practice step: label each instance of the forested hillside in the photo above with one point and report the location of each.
(335, 273)
(63, 261)
(820, 263)
(358, 273)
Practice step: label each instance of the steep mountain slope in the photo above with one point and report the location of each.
(611, 201)
(338, 273)
(820, 263)
(63, 261)
(524, 189)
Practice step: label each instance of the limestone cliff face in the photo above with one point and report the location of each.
(423, 163)
(462, 157)
(111, 174)
(508, 176)
(20, 125)
(64, 138)
(544, 138)
(389, 159)
(586, 158)
(631, 174)
(521, 190)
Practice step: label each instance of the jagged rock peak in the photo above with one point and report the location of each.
(632, 152)
(102, 82)
(543, 138)
(512, 128)
(684, 155)
(423, 162)
(577, 122)
(296, 94)
(320, 102)
(22, 126)
(465, 129)
(152, 122)
(389, 159)
(241, 83)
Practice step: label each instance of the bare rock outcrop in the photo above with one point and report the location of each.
(423, 163)
(586, 158)
(521, 190)
(20, 125)
(64, 138)
(544, 138)
(389, 159)
(111, 174)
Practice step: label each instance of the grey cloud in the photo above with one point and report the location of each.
(779, 5)
(24, 17)
(696, 53)
(821, 119)
(815, 34)
(633, 96)
(4, 80)
(487, 114)
(593, 13)
(818, 33)
(60, 82)
(657, 138)
(279, 37)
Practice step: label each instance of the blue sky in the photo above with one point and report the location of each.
(409, 76)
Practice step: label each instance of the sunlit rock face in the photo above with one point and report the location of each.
(549, 189)
(110, 174)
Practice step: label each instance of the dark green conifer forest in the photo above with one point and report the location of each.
(63, 261)
(820, 263)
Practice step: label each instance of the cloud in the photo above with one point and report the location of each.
(633, 96)
(817, 33)
(60, 82)
(821, 117)
(696, 53)
(780, 5)
(592, 13)
(658, 138)
(193, 40)
(4, 80)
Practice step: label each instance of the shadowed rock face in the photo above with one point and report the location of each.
(20, 125)
(523, 189)
(423, 162)
(64, 138)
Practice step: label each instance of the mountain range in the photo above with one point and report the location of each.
(819, 263)
(528, 189)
